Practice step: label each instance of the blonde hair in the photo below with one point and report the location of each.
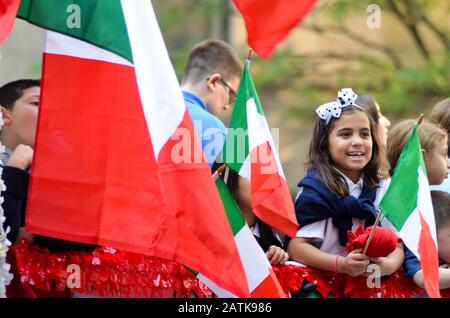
(441, 114)
(429, 135)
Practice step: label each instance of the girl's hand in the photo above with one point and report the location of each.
(277, 255)
(445, 266)
(386, 265)
(355, 263)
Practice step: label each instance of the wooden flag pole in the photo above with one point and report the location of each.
(372, 232)
(369, 239)
(250, 54)
(419, 119)
(218, 172)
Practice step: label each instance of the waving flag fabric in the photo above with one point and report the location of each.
(268, 22)
(261, 279)
(250, 151)
(407, 205)
(111, 112)
(8, 10)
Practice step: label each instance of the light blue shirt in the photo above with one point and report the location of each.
(208, 128)
(5, 156)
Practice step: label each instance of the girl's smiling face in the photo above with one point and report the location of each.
(350, 143)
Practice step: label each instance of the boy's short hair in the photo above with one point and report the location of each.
(12, 91)
(441, 114)
(212, 56)
(429, 135)
(441, 207)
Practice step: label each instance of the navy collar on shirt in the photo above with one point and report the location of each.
(317, 203)
(194, 99)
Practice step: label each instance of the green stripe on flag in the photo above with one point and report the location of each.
(236, 148)
(233, 213)
(102, 23)
(400, 199)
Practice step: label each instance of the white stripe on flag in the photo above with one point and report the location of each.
(259, 133)
(219, 291)
(160, 92)
(245, 170)
(410, 232)
(425, 204)
(254, 260)
(61, 44)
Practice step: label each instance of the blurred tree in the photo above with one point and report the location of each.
(405, 64)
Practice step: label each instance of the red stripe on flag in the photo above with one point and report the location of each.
(95, 178)
(429, 260)
(268, 22)
(8, 12)
(271, 199)
(269, 288)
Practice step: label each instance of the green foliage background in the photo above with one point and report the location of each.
(402, 90)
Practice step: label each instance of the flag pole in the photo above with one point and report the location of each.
(372, 232)
(369, 239)
(250, 53)
(419, 119)
(218, 172)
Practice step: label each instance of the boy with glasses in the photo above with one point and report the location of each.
(209, 85)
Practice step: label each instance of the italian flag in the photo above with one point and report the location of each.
(268, 22)
(8, 10)
(111, 113)
(250, 151)
(262, 281)
(407, 205)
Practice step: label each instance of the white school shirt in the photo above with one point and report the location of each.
(325, 236)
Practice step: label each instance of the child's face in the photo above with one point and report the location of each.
(24, 117)
(222, 93)
(443, 236)
(437, 163)
(383, 126)
(350, 143)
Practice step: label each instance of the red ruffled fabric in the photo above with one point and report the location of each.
(383, 243)
(397, 285)
(291, 278)
(107, 272)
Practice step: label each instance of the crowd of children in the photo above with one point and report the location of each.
(351, 160)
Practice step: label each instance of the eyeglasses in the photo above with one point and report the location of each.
(232, 93)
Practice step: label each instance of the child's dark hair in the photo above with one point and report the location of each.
(319, 157)
(11, 92)
(369, 105)
(441, 207)
(267, 237)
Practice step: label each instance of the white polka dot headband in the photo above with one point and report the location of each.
(346, 97)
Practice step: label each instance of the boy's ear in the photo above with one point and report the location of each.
(6, 114)
(213, 81)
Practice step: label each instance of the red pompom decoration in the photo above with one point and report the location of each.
(383, 242)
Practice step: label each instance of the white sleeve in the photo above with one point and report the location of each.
(384, 185)
(314, 230)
